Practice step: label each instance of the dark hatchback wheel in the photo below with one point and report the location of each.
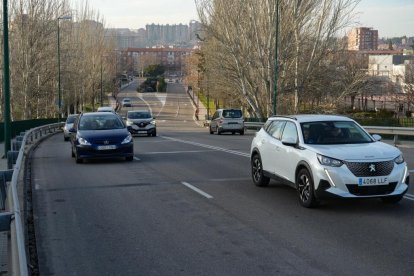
(305, 189)
(257, 172)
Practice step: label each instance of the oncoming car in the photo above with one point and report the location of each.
(68, 125)
(126, 102)
(101, 135)
(141, 122)
(327, 156)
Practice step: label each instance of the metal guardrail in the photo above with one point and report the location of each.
(11, 218)
(395, 131)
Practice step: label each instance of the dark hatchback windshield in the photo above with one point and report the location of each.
(334, 132)
(100, 122)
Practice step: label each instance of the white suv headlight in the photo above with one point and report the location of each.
(129, 123)
(153, 122)
(399, 159)
(327, 161)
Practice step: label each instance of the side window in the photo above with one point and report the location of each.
(275, 129)
(215, 115)
(290, 131)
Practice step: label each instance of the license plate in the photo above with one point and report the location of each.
(108, 147)
(142, 132)
(370, 181)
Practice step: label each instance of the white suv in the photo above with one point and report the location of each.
(327, 156)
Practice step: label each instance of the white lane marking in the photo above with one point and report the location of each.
(406, 196)
(409, 197)
(195, 189)
(136, 158)
(208, 146)
(175, 152)
(142, 99)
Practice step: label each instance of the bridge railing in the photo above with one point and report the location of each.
(11, 214)
(395, 132)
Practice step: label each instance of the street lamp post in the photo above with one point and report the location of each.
(59, 86)
(101, 84)
(276, 60)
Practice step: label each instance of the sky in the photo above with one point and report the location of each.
(390, 17)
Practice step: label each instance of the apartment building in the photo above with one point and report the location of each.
(363, 38)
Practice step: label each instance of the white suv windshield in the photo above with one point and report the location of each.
(139, 115)
(334, 132)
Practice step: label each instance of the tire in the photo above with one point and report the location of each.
(65, 138)
(78, 160)
(392, 199)
(154, 134)
(242, 132)
(305, 189)
(257, 172)
(73, 155)
(211, 131)
(129, 158)
(233, 132)
(218, 131)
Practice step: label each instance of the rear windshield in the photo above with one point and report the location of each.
(139, 115)
(232, 113)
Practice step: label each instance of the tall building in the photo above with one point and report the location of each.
(363, 38)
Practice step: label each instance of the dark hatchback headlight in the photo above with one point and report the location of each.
(399, 159)
(82, 141)
(327, 161)
(127, 139)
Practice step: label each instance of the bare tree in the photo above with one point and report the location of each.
(243, 36)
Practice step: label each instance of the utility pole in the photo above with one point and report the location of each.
(6, 80)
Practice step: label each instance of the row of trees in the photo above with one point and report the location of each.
(237, 56)
(86, 57)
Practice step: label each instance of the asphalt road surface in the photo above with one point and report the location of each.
(186, 205)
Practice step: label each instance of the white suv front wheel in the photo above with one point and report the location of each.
(305, 189)
(257, 172)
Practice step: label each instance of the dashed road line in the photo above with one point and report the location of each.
(197, 190)
(207, 146)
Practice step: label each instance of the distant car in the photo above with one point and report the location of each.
(126, 102)
(141, 122)
(68, 125)
(325, 156)
(98, 135)
(106, 109)
(227, 120)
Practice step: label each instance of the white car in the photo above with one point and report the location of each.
(327, 156)
(126, 102)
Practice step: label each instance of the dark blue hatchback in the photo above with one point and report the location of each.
(101, 135)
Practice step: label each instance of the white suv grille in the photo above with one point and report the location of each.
(362, 169)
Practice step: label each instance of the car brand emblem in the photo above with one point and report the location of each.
(372, 168)
(106, 142)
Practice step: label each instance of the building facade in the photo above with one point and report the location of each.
(137, 59)
(363, 39)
